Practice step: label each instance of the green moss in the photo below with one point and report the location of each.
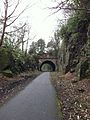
(83, 69)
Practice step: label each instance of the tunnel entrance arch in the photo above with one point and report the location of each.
(50, 63)
(49, 60)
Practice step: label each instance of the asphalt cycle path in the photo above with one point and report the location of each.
(36, 102)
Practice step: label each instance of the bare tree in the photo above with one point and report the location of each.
(28, 38)
(4, 21)
(8, 19)
(22, 36)
(71, 5)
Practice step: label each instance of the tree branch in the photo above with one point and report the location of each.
(16, 29)
(14, 9)
(4, 24)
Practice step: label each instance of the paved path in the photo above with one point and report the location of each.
(35, 102)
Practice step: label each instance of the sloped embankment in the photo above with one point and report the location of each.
(74, 96)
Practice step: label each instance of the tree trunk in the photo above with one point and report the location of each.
(4, 24)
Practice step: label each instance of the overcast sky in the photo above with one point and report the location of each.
(39, 16)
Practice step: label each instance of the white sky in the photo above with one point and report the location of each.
(43, 25)
(38, 16)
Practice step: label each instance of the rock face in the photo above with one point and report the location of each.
(78, 50)
(82, 68)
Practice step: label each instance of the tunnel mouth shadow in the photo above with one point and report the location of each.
(49, 63)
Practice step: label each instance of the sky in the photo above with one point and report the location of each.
(43, 23)
(40, 18)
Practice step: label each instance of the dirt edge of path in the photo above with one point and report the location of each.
(73, 96)
(9, 87)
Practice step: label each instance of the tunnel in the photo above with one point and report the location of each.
(50, 63)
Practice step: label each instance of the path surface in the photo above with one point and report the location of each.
(35, 102)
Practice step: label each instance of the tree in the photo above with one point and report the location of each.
(19, 36)
(54, 43)
(33, 48)
(71, 5)
(40, 46)
(8, 18)
(50, 44)
(51, 47)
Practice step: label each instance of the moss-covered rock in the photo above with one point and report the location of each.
(83, 69)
